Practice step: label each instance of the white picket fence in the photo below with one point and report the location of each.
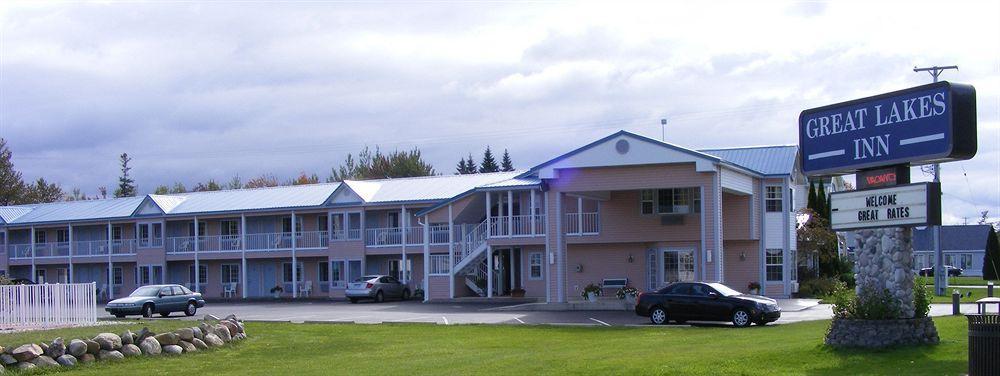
(47, 305)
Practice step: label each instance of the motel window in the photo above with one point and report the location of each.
(286, 225)
(286, 272)
(229, 228)
(794, 272)
(338, 226)
(39, 237)
(62, 236)
(670, 201)
(535, 265)
(774, 264)
(116, 233)
(354, 226)
(143, 275)
(773, 198)
(321, 223)
(323, 271)
(646, 201)
(337, 274)
(40, 276)
(230, 273)
(439, 265)
(202, 227)
(118, 276)
(202, 274)
(396, 271)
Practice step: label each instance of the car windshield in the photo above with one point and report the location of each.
(366, 278)
(146, 291)
(724, 290)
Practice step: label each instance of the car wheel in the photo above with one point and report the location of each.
(147, 311)
(164, 314)
(378, 297)
(741, 318)
(658, 316)
(406, 294)
(353, 300)
(191, 309)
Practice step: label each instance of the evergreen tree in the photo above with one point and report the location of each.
(11, 185)
(43, 191)
(470, 165)
(489, 163)
(991, 261)
(126, 186)
(235, 183)
(505, 164)
(178, 188)
(811, 203)
(822, 202)
(161, 190)
(211, 185)
(462, 168)
(375, 165)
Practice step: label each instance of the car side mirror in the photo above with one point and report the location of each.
(713, 295)
(159, 295)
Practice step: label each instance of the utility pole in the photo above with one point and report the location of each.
(663, 127)
(940, 274)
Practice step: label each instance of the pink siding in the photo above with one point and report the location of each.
(438, 288)
(600, 261)
(736, 216)
(533, 288)
(740, 272)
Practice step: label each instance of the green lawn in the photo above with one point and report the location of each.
(960, 281)
(420, 349)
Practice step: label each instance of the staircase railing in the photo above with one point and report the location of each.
(471, 241)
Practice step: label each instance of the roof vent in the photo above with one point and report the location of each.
(622, 146)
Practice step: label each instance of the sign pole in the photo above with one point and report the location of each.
(940, 273)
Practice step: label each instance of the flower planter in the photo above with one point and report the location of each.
(630, 299)
(591, 297)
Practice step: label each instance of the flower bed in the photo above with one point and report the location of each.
(211, 332)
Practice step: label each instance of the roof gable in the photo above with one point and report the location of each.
(766, 160)
(625, 149)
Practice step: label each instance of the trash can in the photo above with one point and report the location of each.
(984, 344)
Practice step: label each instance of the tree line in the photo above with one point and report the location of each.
(489, 164)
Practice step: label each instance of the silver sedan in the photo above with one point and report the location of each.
(377, 288)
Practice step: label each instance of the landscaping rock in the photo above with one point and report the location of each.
(211, 318)
(92, 346)
(7, 359)
(213, 340)
(131, 350)
(76, 348)
(56, 349)
(223, 333)
(26, 352)
(44, 361)
(172, 350)
(3, 370)
(199, 344)
(150, 346)
(24, 366)
(187, 346)
(881, 333)
(66, 360)
(233, 329)
(198, 333)
(145, 332)
(110, 355)
(109, 341)
(127, 338)
(86, 358)
(44, 346)
(185, 334)
(166, 339)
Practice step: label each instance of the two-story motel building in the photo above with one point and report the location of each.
(622, 207)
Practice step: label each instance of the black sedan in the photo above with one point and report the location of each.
(699, 301)
(952, 271)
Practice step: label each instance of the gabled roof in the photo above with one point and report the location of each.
(425, 188)
(285, 197)
(953, 238)
(167, 203)
(765, 160)
(78, 210)
(10, 213)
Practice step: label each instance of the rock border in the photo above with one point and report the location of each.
(209, 333)
(876, 334)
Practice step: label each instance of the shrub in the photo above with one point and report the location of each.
(921, 299)
(820, 287)
(870, 304)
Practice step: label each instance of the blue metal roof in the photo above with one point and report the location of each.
(425, 188)
(78, 210)
(10, 213)
(766, 160)
(953, 238)
(295, 196)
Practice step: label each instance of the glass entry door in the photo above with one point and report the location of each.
(669, 265)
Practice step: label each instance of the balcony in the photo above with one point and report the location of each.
(517, 226)
(80, 248)
(582, 223)
(259, 242)
(393, 236)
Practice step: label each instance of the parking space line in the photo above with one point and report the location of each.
(409, 319)
(445, 320)
(519, 320)
(600, 322)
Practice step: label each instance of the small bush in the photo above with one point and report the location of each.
(819, 287)
(921, 299)
(870, 304)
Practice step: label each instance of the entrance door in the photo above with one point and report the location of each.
(669, 265)
(267, 279)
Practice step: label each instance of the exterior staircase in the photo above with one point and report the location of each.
(470, 258)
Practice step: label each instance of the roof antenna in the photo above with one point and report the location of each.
(663, 125)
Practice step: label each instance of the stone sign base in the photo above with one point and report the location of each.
(881, 333)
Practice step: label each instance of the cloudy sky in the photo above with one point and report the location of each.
(210, 90)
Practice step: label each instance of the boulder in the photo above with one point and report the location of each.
(109, 341)
(205, 328)
(131, 350)
(24, 366)
(76, 348)
(56, 349)
(185, 334)
(7, 359)
(166, 339)
(199, 344)
(145, 332)
(92, 346)
(187, 346)
(44, 346)
(223, 333)
(150, 346)
(211, 318)
(66, 360)
(44, 361)
(127, 338)
(233, 329)
(172, 350)
(86, 358)
(213, 340)
(109, 355)
(198, 333)
(3, 370)
(26, 352)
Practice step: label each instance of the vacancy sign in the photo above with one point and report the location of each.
(925, 124)
(898, 206)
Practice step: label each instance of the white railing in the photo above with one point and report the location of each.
(393, 236)
(582, 223)
(269, 241)
(150, 243)
(518, 225)
(344, 235)
(47, 305)
(470, 242)
(80, 248)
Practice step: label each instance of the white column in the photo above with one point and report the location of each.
(532, 218)
(510, 262)
(547, 270)
(579, 216)
(489, 272)
(243, 255)
(295, 261)
(405, 224)
(427, 259)
(34, 271)
(451, 254)
(70, 233)
(197, 263)
(510, 213)
(111, 270)
(489, 198)
(560, 234)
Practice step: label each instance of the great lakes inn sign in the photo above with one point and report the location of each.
(925, 124)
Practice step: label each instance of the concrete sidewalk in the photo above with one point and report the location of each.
(787, 305)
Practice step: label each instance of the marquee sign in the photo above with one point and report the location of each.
(925, 124)
(897, 206)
